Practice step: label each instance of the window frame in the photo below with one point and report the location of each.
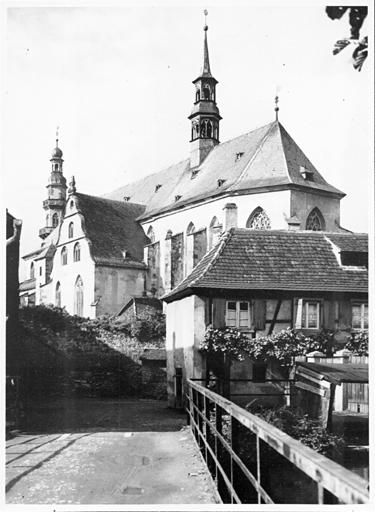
(71, 230)
(238, 320)
(362, 305)
(305, 304)
(76, 252)
(64, 256)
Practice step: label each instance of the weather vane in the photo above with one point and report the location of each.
(57, 134)
(277, 107)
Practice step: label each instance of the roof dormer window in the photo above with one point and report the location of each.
(194, 174)
(220, 182)
(239, 155)
(306, 174)
(126, 198)
(157, 187)
(177, 198)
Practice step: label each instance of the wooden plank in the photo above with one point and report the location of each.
(307, 387)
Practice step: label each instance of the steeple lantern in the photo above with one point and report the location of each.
(205, 115)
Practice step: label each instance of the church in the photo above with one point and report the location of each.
(144, 239)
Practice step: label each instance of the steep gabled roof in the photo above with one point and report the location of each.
(246, 259)
(111, 229)
(264, 158)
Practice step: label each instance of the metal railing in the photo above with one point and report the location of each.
(252, 461)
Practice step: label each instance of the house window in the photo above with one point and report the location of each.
(77, 252)
(310, 314)
(360, 316)
(238, 314)
(71, 230)
(32, 271)
(64, 256)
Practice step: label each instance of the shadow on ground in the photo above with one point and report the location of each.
(61, 415)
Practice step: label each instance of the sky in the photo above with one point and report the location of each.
(117, 80)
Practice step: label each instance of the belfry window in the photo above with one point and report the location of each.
(258, 220)
(197, 95)
(56, 167)
(64, 256)
(77, 252)
(315, 221)
(55, 220)
(206, 93)
(71, 230)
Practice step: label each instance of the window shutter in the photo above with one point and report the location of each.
(298, 304)
(345, 314)
(259, 314)
(218, 313)
(329, 320)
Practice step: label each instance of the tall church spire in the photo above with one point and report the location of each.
(54, 205)
(205, 116)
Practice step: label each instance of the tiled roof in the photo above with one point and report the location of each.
(350, 242)
(246, 259)
(151, 302)
(111, 229)
(263, 158)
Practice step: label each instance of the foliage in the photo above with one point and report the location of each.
(284, 346)
(307, 430)
(358, 343)
(149, 325)
(357, 16)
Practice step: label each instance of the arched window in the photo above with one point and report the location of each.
(78, 297)
(56, 167)
(64, 256)
(197, 95)
(315, 221)
(209, 129)
(203, 129)
(71, 230)
(151, 234)
(77, 252)
(58, 295)
(71, 203)
(169, 233)
(32, 271)
(206, 92)
(190, 229)
(258, 220)
(55, 220)
(214, 232)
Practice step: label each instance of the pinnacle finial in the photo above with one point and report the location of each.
(72, 186)
(277, 107)
(205, 12)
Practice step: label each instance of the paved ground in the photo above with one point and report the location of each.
(106, 452)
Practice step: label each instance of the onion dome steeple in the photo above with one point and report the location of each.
(54, 205)
(205, 115)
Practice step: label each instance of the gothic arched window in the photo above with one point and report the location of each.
(214, 232)
(55, 220)
(203, 129)
(78, 297)
(315, 221)
(258, 219)
(197, 95)
(190, 229)
(209, 129)
(151, 234)
(77, 252)
(64, 256)
(32, 271)
(58, 295)
(206, 93)
(71, 230)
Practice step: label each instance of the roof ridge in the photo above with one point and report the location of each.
(101, 198)
(246, 133)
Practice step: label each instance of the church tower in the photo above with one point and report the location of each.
(205, 116)
(55, 203)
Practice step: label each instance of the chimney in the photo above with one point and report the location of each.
(230, 216)
(294, 224)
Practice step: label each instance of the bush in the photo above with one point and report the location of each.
(358, 343)
(307, 430)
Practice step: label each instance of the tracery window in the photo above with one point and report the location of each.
(151, 234)
(214, 232)
(258, 220)
(71, 230)
(64, 256)
(77, 252)
(315, 221)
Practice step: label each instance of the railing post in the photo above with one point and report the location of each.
(234, 445)
(258, 468)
